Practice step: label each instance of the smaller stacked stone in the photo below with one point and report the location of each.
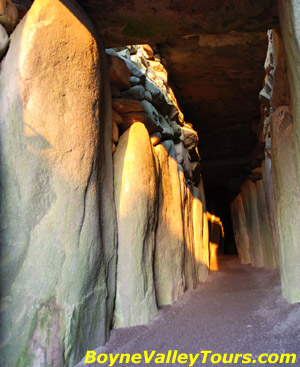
(163, 236)
(141, 93)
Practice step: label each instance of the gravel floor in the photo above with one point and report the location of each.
(238, 310)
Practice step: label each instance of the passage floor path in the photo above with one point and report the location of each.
(238, 310)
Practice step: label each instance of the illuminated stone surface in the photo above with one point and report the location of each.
(287, 194)
(271, 205)
(169, 248)
(189, 258)
(201, 247)
(58, 252)
(136, 191)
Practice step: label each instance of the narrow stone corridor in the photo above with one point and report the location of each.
(149, 181)
(238, 310)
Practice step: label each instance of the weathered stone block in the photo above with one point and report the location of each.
(189, 137)
(135, 92)
(182, 158)
(249, 196)
(169, 248)
(116, 117)
(135, 181)
(264, 225)
(189, 258)
(155, 138)
(201, 253)
(123, 105)
(267, 176)
(287, 194)
(58, 251)
(289, 12)
(281, 89)
(119, 74)
(240, 229)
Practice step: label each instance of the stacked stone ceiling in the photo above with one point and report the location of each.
(215, 52)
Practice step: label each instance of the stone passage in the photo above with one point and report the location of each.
(90, 241)
(265, 212)
(162, 222)
(58, 249)
(255, 316)
(108, 212)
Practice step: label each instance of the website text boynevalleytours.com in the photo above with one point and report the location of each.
(173, 356)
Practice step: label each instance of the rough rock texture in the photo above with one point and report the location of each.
(189, 137)
(135, 182)
(108, 219)
(205, 223)
(169, 248)
(217, 89)
(290, 29)
(119, 74)
(116, 117)
(123, 23)
(189, 251)
(201, 247)
(281, 89)
(58, 287)
(216, 237)
(261, 248)
(122, 105)
(271, 205)
(264, 225)
(181, 253)
(249, 196)
(8, 15)
(182, 158)
(240, 229)
(287, 193)
(160, 112)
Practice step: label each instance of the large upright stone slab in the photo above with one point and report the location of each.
(136, 193)
(216, 236)
(240, 229)
(249, 196)
(289, 12)
(205, 222)
(267, 176)
(201, 252)
(189, 257)
(264, 225)
(169, 247)
(281, 89)
(54, 270)
(287, 193)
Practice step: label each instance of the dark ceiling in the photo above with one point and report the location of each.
(216, 79)
(215, 52)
